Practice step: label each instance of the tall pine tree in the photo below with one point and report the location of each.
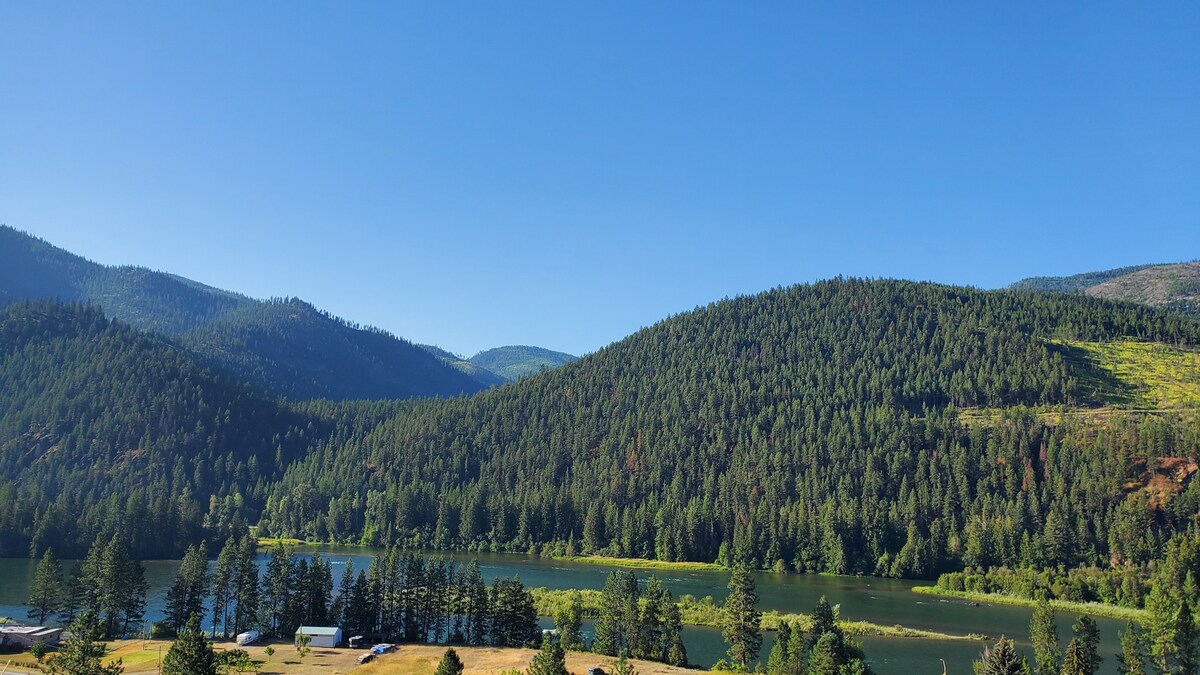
(741, 618)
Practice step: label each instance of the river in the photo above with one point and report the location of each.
(882, 601)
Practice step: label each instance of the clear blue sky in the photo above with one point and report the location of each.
(560, 174)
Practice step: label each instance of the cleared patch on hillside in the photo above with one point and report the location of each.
(1139, 374)
(1158, 286)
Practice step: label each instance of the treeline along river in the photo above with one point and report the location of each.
(881, 601)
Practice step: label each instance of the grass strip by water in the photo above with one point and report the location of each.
(706, 612)
(1089, 608)
(267, 542)
(641, 563)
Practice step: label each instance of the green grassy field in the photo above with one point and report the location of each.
(1143, 374)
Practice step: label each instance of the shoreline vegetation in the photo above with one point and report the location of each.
(1089, 608)
(706, 612)
(641, 563)
(600, 560)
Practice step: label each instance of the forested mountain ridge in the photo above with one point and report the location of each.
(811, 428)
(815, 428)
(503, 364)
(104, 429)
(1173, 286)
(31, 268)
(516, 361)
(287, 347)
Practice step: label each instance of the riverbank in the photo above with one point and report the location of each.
(1089, 608)
(705, 612)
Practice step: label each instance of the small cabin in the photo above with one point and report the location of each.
(320, 636)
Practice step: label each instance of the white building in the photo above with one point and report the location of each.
(320, 636)
(22, 637)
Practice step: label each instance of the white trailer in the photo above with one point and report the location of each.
(249, 637)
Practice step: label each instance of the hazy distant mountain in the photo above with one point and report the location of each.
(517, 361)
(287, 347)
(483, 375)
(1170, 286)
(32, 268)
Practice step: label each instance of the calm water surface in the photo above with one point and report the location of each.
(883, 601)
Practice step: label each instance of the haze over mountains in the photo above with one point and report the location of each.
(284, 346)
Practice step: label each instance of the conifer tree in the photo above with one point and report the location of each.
(191, 653)
(741, 618)
(222, 587)
(1044, 636)
(612, 636)
(277, 587)
(45, 595)
(1002, 659)
(823, 660)
(1074, 661)
(337, 609)
(450, 663)
(673, 633)
(550, 659)
(1132, 659)
(779, 659)
(1187, 641)
(185, 597)
(245, 585)
(477, 607)
(82, 650)
(1088, 634)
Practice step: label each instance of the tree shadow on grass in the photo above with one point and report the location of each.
(1098, 386)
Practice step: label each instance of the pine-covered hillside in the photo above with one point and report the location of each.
(288, 348)
(811, 428)
(291, 348)
(31, 268)
(882, 427)
(104, 428)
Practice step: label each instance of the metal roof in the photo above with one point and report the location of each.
(317, 630)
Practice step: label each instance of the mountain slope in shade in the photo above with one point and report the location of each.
(94, 411)
(1174, 286)
(517, 361)
(288, 348)
(143, 298)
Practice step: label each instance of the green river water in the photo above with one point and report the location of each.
(883, 601)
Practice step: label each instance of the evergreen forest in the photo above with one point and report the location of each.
(849, 426)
